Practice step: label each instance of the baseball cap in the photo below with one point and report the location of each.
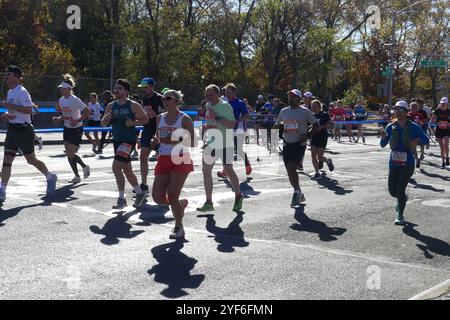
(16, 70)
(401, 105)
(444, 100)
(270, 97)
(296, 92)
(308, 95)
(146, 82)
(260, 96)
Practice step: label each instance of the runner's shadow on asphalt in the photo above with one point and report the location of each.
(63, 194)
(10, 213)
(424, 186)
(246, 189)
(63, 155)
(227, 238)
(174, 268)
(332, 152)
(333, 185)
(430, 244)
(153, 214)
(324, 232)
(434, 175)
(431, 164)
(116, 228)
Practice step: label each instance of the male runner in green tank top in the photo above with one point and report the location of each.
(124, 115)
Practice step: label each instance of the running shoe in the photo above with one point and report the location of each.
(238, 203)
(177, 233)
(447, 162)
(40, 143)
(297, 199)
(121, 203)
(51, 184)
(316, 176)
(222, 174)
(144, 189)
(140, 197)
(330, 164)
(399, 221)
(86, 172)
(443, 165)
(248, 169)
(320, 165)
(75, 179)
(207, 206)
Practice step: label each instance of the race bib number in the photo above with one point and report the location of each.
(124, 150)
(443, 124)
(66, 113)
(291, 126)
(399, 157)
(165, 133)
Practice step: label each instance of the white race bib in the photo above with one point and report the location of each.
(399, 158)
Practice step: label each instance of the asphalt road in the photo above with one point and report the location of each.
(342, 244)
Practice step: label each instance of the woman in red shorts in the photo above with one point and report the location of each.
(175, 134)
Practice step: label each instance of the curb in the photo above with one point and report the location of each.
(434, 292)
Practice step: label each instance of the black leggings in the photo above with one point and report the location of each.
(398, 181)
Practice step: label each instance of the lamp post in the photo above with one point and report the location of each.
(392, 45)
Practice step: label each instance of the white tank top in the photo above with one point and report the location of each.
(165, 130)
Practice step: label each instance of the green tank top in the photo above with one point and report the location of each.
(121, 133)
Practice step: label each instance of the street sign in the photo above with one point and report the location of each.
(427, 63)
(387, 72)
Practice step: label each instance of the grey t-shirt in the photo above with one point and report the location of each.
(295, 122)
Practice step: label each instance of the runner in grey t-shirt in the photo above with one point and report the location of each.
(295, 121)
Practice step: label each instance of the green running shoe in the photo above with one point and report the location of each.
(207, 206)
(238, 203)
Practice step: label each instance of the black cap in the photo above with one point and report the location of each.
(270, 97)
(16, 70)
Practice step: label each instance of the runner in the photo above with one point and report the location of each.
(20, 132)
(107, 98)
(174, 161)
(349, 116)
(338, 114)
(386, 116)
(427, 113)
(201, 117)
(360, 115)
(418, 118)
(441, 118)
(153, 105)
(124, 115)
(241, 115)
(220, 119)
(74, 112)
(94, 120)
(267, 119)
(319, 139)
(295, 121)
(403, 136)
(308, 97)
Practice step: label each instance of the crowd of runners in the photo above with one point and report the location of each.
(170, 134)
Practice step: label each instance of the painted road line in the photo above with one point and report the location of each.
(434, 292)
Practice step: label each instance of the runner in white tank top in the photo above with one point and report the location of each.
(174, 162)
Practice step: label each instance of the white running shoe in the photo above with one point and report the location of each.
(87, 171)
(177, 233)
(75, 180)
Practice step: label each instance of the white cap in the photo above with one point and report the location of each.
(402, 103)
(297, 92)
(65, 85)
(260, 96)
(308, 94)
(444, 100)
